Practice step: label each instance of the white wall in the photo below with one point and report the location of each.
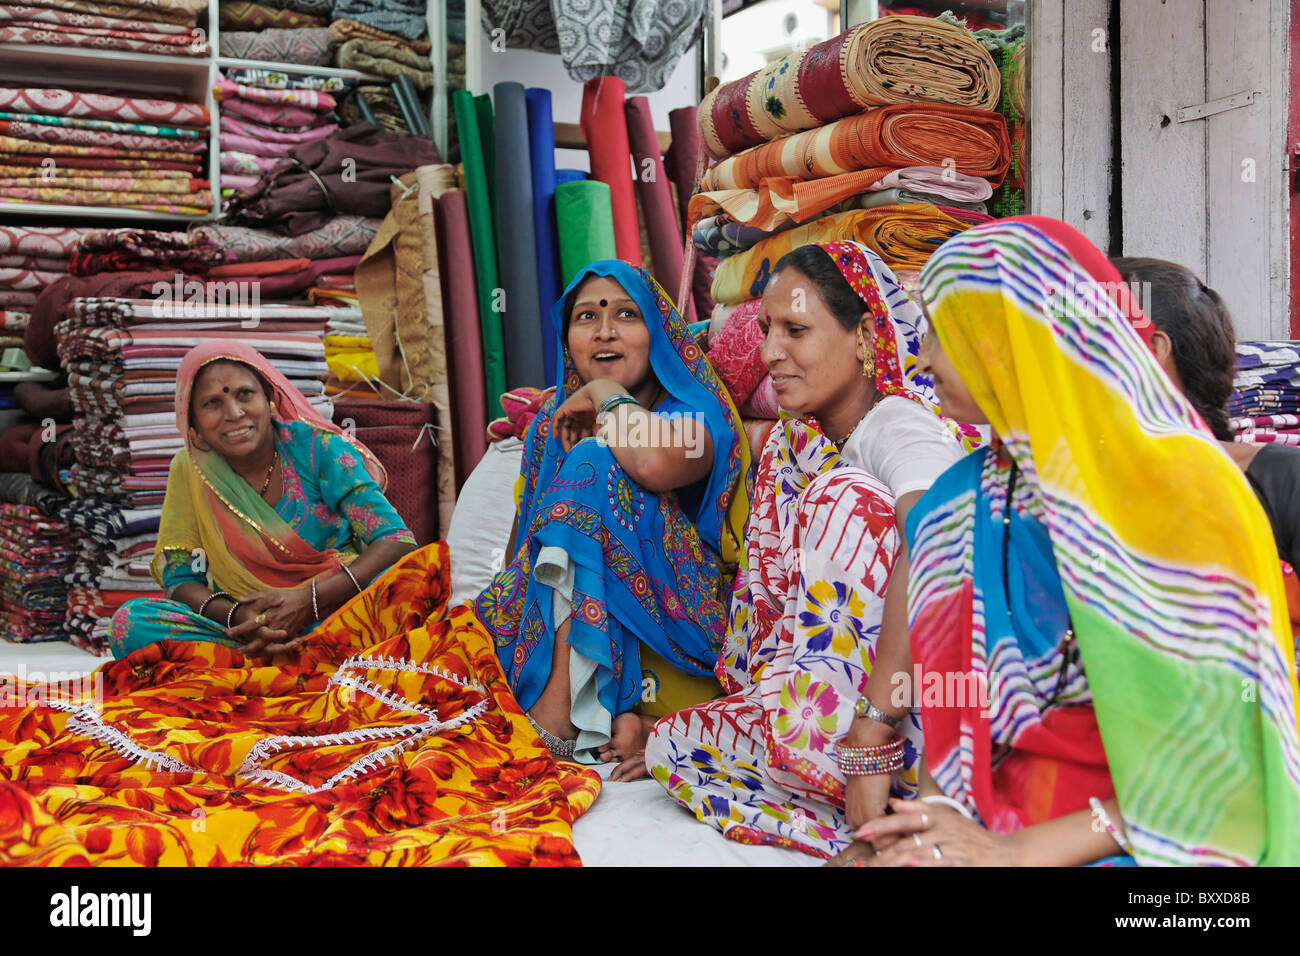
(543, 69)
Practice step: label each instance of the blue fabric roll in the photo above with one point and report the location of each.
(516, 237)
(541, 146)
(563, 176)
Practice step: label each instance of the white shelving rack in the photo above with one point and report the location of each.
(188, 77)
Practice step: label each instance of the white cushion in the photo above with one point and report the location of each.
(480, 525)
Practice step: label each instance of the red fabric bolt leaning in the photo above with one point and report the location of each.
(604, 126)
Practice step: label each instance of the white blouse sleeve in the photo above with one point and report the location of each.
(904, 445)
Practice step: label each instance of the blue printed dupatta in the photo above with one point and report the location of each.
(646, 566)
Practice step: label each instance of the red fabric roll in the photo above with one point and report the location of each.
(461, 324)
(656, 201)
(605, 128)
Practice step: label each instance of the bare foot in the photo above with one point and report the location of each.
(859, 850)
(627, 746)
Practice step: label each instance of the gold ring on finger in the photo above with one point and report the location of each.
(261, 618)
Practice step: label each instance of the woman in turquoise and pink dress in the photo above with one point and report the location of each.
(273, 518)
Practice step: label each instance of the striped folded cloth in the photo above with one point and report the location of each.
(904, 236)
(957, 138)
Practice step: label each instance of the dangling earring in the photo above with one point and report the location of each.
(868, 359)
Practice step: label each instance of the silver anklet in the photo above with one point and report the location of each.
(561, 749)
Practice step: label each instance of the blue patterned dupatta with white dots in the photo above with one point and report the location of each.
(645, 567)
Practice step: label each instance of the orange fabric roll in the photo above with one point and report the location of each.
(966, 140)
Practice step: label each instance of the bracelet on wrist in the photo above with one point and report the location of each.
(615, 400)
(949, 802)
(315, 608)
(870, 761)
(355, 583)
(212, 597)
(1115, 832)
(865, 708)
(230, 615)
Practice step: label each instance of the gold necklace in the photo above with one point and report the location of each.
(845, 440)
(275, 457)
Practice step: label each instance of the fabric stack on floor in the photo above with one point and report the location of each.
(31, 259)
(265, 115)
(279, 31)
(84, 148)
(885, 135)
(156, 27)
(36, 553)
(1266, 404)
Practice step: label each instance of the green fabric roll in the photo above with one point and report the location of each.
(487, 137)
(585, 222)
(483, 239)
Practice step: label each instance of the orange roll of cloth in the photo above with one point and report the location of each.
(898, 59)
(905, 236)
(969, 141)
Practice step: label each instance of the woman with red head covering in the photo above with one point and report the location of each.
(273, 517)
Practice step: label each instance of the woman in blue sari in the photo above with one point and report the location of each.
(626, 519)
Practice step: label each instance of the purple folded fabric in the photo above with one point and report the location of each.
(247, 144)
(230, 124)
(272, 114)
(309, 46)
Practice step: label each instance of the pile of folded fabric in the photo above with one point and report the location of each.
(886, 135)
(318, 266)
(83, 148)
(1266, 404)
(278, 31)
(349, 172)
(36, 553)
(264, 116)
(31, 259)
(158, 27)
(360, 46)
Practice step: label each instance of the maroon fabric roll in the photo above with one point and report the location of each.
(702, 284)
(656, 196)
(604, 126)
(392, 430)
(465, 373)
(683, 155)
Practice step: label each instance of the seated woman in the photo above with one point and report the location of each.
(1195, 344)
(273, 518)
(628, 476)
(1122, 617)
(819, 601)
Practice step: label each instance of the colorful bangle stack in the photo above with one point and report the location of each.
(870, 761)
(615, 400)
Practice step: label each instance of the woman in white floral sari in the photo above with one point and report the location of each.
(766, 763)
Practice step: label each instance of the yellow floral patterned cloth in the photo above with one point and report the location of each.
(390, 739)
